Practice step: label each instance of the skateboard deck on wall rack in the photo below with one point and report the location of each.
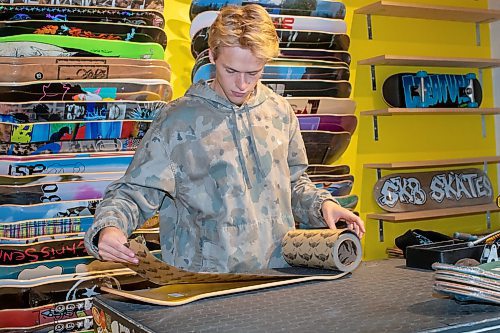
(30, 45)
(405, 192)
(44, 227)
(48, 210)
(16, 12)
(336, 189)
(322, 105)
(318, 8)
(422, 90)
(60, 60)
(325, 147)
(288, 39)
(290, 22)
(21, 113)
(178, 287)
(313, 88)
(144, 4)
(43, 179)
(75, 146)
(328, 122)
(94, 30)
(321, 169)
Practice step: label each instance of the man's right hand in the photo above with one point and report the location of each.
(111, 246)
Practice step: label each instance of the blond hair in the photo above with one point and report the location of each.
(249, 27)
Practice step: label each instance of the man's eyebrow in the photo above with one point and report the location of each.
(232, 69)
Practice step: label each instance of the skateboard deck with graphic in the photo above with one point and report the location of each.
(76, 130)
(74, 61)
(290, 22)
(94, 30)
(322, 105)
(336, 189)
(331, 170)
(276, 72)
(422, 90)
(313, 88)
(178, 287)
(44, 227)
(141, 4)
(17, 12)
(65, 147)
(325, 147)
(30, 45)
(319, 178)
(288, 39)
(328, 122)
(348, 201)
(405, 192)
(49, 179)
(317, 8)
(34, 112)
(316, 55)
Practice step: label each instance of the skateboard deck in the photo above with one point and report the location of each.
(277, 72)
(178, 287)
(66, 60)
(84, 29)
(22, 113)
(406, 192)
(290, 22)
(287, 39)
(321, 55)
(336, 189)
(319, 178)
(44, 227)
(49, 210)
(30, 45)
(43, 238)
(322, 105)
(325, 147)
(320, 169)
(49, 179)
(313, 88)
(16, 12)
(77, 130)
(63, 147)
(331, 122)
(319, 8)
(422, 90)
(348, 201)
(144, 4)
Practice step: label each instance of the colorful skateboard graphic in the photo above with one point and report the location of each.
(325, 147)
(46, 211)
(44, 179)
(338, 26)
(313, 88)
(336, 189)
(16, 12)
(144, 4)
(422, 90)
(275, 72)
(318, 8)
(288, 39)
(331, 122)
(321, 55)
(66, 60)
(94, 30)
(22, 113)
(348, 201)
(70, 131)
(406, 192)
(59, 46)
(43, 227)
(62, 147)
(322, 105)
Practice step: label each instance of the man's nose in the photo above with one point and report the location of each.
(241, 82)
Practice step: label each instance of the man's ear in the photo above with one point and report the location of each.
(211, 56)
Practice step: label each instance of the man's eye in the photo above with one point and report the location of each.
(230, 71)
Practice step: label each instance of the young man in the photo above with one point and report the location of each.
(224, 166)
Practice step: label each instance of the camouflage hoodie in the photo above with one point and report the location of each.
(224, 180)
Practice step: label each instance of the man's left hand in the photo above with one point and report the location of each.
(333, 212)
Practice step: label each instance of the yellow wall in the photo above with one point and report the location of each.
(401, 138)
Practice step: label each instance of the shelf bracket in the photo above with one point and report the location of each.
(374, 78)
(379, 173)
(483, 125)
(369, 26)
(381, 230)
(478, 34)
(488, 220)
(375, 128)
(485, 167)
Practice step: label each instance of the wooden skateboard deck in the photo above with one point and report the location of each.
(319, 178)
(321, 169)
(422, 90)
(30, 45)
(338, 188)
(313, 88)
(290, 22)
(322, 105)
(145, 4)
(16, 12)
(325, 147)
(180, 287)
(63, 147)
(433, 190)
(319, 8)
(328, 122)
(66, 60)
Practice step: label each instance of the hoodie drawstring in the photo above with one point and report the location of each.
(253, 144)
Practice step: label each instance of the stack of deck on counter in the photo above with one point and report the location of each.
(312, 72)
(79, 88)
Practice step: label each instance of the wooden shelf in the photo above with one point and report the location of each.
(396, 60)
(433, 163)
(430, 12)
(430, 111)
(434, 213)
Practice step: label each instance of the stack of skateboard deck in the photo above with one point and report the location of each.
(81, 86)
(311, 72)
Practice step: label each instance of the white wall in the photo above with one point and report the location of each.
(495, 53)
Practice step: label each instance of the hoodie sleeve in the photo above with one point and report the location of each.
(135, 197)
(306, 198)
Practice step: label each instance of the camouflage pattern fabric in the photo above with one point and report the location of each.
(227, 182)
